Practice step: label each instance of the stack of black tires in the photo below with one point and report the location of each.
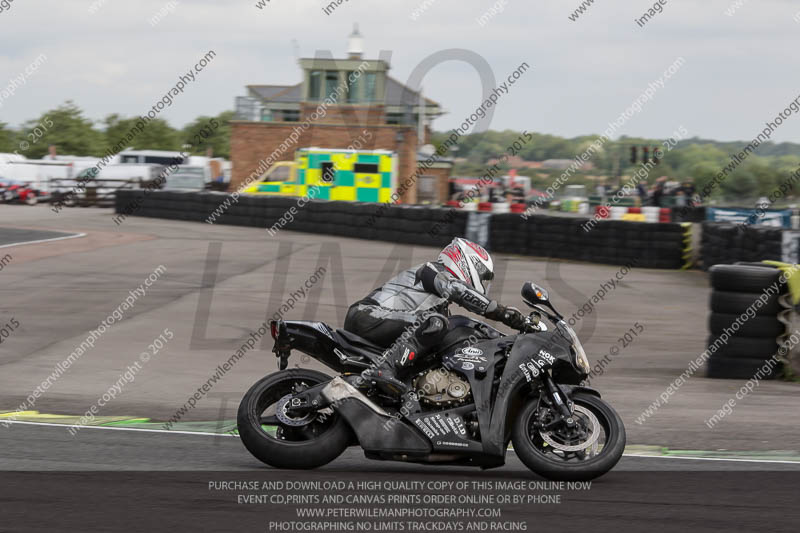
(735, 289)
(725, 243)
(406, 224)
(508, 233)
(615, 242)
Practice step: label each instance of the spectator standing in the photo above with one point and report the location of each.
(641, 190)
(658, 191)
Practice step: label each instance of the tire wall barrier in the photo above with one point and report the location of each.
(747, 322)
(725, 243)
(640, 244)
(415, 225)
(617, 242)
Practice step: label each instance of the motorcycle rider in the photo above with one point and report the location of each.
(409, 312)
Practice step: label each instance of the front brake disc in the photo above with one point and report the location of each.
(595, 429)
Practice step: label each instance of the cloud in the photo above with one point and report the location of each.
(739, 69)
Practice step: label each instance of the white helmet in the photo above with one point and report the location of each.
(469, 262)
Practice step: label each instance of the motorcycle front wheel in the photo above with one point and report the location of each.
(587, 450)
(280, 440)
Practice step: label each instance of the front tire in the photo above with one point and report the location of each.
(312, 444)
(550, 462)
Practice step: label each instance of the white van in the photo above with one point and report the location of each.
(156, 157)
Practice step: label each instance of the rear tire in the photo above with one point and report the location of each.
(290, 454)
(541, 462)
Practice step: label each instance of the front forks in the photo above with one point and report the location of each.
(561, 403)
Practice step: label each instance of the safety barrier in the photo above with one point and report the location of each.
(615, 212)
(724, 243)
(747, 322)
(642, 244)
(608, 241)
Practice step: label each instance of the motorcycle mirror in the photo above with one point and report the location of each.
(534, 295)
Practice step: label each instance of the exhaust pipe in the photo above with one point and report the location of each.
(338, 389)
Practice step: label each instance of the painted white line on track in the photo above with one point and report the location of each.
(144, 430)
(77, 235)
(705, 458)
(118, 428)
(778, 461)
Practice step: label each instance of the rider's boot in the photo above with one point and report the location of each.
(406, 351)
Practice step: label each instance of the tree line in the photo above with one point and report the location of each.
(699, 159)
(73, 133)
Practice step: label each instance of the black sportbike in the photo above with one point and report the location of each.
(462, 406)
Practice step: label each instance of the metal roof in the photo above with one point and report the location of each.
(277, 93)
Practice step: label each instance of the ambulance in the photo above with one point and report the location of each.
(338, 174)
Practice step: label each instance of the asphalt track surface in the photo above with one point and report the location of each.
(121, 480)
(30, 447)
(14, 236)
(221, 282)
(166, 487)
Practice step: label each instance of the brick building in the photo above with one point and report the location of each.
(340, 103)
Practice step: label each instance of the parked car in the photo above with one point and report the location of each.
(12, 191)
(186, 178)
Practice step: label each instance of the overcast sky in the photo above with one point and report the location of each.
(739, 70)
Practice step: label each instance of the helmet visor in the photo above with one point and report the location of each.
(485, 275)
(486, 286)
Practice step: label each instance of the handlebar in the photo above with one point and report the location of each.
(533, 323)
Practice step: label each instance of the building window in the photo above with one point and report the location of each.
(314, 84)
(331, 82)
(353, 87)
(266, 115)
(395, 118)
(370, 79)
(402, 118)
(291, 115)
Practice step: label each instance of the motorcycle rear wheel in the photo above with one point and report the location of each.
(552, 459)
(304, 444)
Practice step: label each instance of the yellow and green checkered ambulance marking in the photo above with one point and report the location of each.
(362, 176)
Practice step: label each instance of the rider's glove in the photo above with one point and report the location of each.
(513, 318)
(510, 316)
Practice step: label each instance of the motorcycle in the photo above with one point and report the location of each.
(463, 405)
(16, 191)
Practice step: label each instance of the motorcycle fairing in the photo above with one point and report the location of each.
(340, 350)
(530, 355)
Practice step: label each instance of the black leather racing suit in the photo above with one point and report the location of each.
(411, 308)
